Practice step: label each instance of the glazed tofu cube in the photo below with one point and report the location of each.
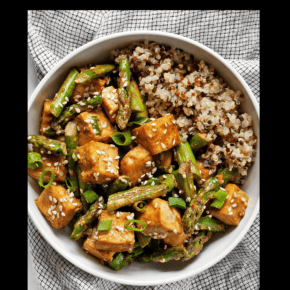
(98, 162)
(89, 247)
(85, 90)
(136, 163)
(47, 118)
(158, 135)
(161, 219)
(163, 159)
(110, 103)
(58, 205)
(175, 239)
(52, 162)
(86, 130)
(117, 239)
(234, 207)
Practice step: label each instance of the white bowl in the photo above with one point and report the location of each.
(97, 51)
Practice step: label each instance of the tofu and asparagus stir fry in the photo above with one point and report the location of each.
(143, 157)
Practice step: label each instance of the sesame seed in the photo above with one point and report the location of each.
(65, 162)
(61, 200)
(153, 124)
(71, 200)
(155, 205)
(29, 137)
(162, 145)
(50, 198)
(54, 211)
(184, 175)
(243, 199)
(117, 157)
(133, 137)
(154, 130)
(165, 131)
(175, 231)
(48, 164)
(78, 110)
(231, 213)
(153, 183)
(54, 200)
(75, 204)
(173, 142)
(112, 145)
(234, 205)
(53, 217)
(232, 200)
(60, 207)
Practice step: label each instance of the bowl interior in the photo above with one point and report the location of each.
(152, 273)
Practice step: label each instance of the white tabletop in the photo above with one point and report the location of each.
(32, 83)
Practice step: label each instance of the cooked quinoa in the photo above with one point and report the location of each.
(173, 82)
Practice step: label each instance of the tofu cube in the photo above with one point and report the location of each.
(52, 162)
(98, 162)
(163, 159)
(134, 164)
(175, 239)
(47, 118)
(57, 206)
(117, 239)
(110, 103)
(83, 91)
(86, 129)
(234, 207)
(89, 247)
(158, 135)
(161, 220)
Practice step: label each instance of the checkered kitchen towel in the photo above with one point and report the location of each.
(232, 34)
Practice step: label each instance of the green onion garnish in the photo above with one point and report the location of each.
(104, 226)
(90, 196)
(221, 196)
(34, 160)
(177, 202)
(96, 125)
(42, 176)
(68, 180)
(140, 205)
(140, 121)
(135, 229)
(122, 138)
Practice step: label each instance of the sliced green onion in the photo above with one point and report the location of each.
(221, 196)
(206, 223)
(177, 202)
(135, 229)
(122, 138)
(96, 125)
(42, 176)
(34, 160)
(68, 180)
(90, 196)
(140, 121)
(104, 226)
(140, 205)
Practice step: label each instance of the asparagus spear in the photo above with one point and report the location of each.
(206, 223)
(166, 169)
(172, 253)
(193, 248)
(184, 154)
(93, 73)
(71, 111)
(48, 145)
(195, 245)
(137, 104)
(64, 93)
(83, 187)
(196, 206)
(185, 180)
(71, 140)
(197, 141)
(144, 112)
(124, 111)
(130, 196)
(120, 184)
(82, 224)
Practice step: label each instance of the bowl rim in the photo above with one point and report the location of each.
(105, 275)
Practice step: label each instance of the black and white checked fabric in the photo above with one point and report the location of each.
(232, 34)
